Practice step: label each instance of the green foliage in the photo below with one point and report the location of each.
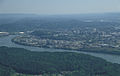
(65, 63)
(6, 71)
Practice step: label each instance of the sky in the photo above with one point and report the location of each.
(59, 6)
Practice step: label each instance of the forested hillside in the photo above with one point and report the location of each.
(65, 63)
(30, 22)
(6, 71)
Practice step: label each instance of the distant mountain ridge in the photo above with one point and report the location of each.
(25, 22)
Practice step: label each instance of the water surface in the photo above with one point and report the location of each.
(6, 41)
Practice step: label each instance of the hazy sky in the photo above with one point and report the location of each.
(59, 6)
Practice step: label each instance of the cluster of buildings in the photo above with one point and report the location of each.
(73, 39)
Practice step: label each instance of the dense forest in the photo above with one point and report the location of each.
(64, 63)
(6, 71)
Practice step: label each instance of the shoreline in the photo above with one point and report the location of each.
(92, 50)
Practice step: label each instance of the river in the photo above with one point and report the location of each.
(6, 41)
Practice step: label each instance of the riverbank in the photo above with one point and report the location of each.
(95, 50)
(53, 63)
(6, 41)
